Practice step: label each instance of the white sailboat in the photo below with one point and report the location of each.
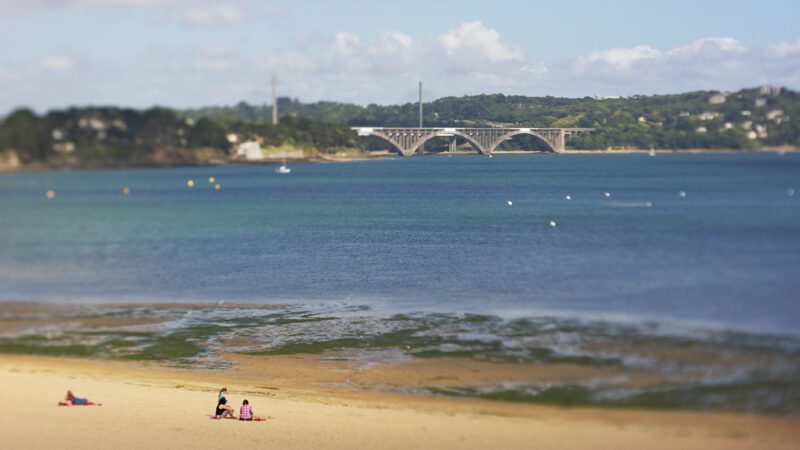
(652, 151)
(283, 168)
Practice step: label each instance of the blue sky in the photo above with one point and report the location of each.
(184, 53)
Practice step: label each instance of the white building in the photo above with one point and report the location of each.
(717, 99)
(250, 150)
(770, 90)
(708, 115)
(774, 114)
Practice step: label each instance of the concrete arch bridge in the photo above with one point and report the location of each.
(484, 140)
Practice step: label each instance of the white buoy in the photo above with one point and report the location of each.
(568, 197)
(790, 192)
(607, 194)
(553, 223)
(682, 194)
(490, 156)
(510, 203)
(648, 204)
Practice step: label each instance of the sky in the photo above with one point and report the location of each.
(192, 53)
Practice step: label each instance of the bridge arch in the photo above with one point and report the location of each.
(475, 144)
(419, 143)
(538, 137)
(393, 143)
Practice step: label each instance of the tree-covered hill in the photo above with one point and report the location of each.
(750, 118)
(121, 136)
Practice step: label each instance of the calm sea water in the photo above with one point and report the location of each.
(425, 234)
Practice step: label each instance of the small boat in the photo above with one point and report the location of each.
(283, 168)
(652, 151)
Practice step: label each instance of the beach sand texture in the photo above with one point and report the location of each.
(149, 407)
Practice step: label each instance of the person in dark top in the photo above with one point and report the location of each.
(223, 409)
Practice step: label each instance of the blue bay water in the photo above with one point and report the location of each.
(425, 234)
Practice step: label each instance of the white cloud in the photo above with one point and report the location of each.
(709, 48)
(344, 44)
(624, 58)
(467, 59)
(475, 40)
(782, 49)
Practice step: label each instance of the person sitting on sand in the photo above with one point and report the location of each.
(245, 412)
(223, 409)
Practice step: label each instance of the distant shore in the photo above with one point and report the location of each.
(6, 166)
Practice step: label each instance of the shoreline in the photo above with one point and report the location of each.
(145, 404)
(322, 159)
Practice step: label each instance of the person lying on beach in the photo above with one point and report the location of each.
(223, 409)
(71, 400)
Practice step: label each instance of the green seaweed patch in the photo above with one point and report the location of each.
(36, 346)
(167, 347)
(379, 341)
(289, 321)
(767, 397)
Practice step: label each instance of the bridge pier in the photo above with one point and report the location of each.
(559, 143)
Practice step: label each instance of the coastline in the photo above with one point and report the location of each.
(322, 158)
(147, 404)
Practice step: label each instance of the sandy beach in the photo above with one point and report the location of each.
(151, 406)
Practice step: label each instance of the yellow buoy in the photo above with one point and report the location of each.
(126, 190)
(190, 183)
(217, 187)
(51, 194)
(211, 180)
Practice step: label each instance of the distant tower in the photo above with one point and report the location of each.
(421, 147)
(420, 104)
(274, 100)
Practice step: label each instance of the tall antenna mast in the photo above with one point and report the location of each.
(420, 104)
(421, 147)
(275, 100)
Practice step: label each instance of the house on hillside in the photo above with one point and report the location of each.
(717, 99)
